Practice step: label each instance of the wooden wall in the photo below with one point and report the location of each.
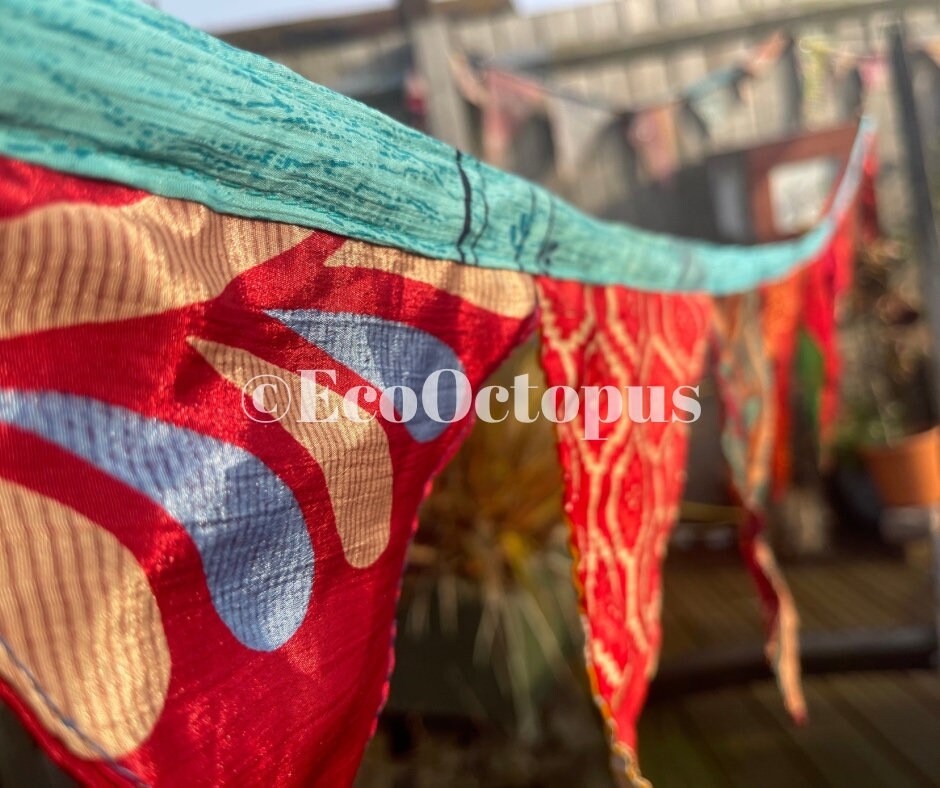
(625, 52)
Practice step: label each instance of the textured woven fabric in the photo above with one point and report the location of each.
(622, 490)
(782, 309)
(115, 89)
(758, 337)
(825, 284)
(744, 374)
(188, 594)
(191, 596)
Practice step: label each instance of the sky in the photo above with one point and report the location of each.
(227, 15)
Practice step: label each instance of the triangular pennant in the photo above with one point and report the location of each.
(652, 134)
(575, 128)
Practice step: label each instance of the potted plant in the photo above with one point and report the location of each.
(889, 417)
(488, 617)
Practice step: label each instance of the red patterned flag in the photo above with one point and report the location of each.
(826, 282)
(185, 549)
(622, 488)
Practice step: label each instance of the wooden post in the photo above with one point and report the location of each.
(925, 225)
(925, 222)
(448, 118)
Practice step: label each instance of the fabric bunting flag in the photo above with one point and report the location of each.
(622, 486)
(576, 127)
(757, 336)
(874, 72)
(744, 376)
(194, 562)
(203, 258)
(506, 101)
(816, 74)
(781, 313)
(768, 54)
(819, 357)
(653, 135)
(712, 99)
(826, 283)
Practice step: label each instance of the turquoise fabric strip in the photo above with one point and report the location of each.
(116, 89)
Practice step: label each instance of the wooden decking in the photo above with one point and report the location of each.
(715, 719)
(867, 730)
(709, 602)
(858, 611)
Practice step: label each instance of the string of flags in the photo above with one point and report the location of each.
(507, 99)
(201, 570)
(830, 77)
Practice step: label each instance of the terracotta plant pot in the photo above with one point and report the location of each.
(907, 473)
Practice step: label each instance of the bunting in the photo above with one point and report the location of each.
(506, 102)
(200, 586)
(781, 312)
(759, 336)
(576, 127)
(712, 100)
(825, 285)
(653, 135)
(507, 99)
(622, 489)
(744, 375)
(201, 563)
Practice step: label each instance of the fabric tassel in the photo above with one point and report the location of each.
(781, 620)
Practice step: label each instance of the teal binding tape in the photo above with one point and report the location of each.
(116, 89)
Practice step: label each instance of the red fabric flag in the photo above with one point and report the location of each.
(622, 489)
(199, 578)
(826, 282)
